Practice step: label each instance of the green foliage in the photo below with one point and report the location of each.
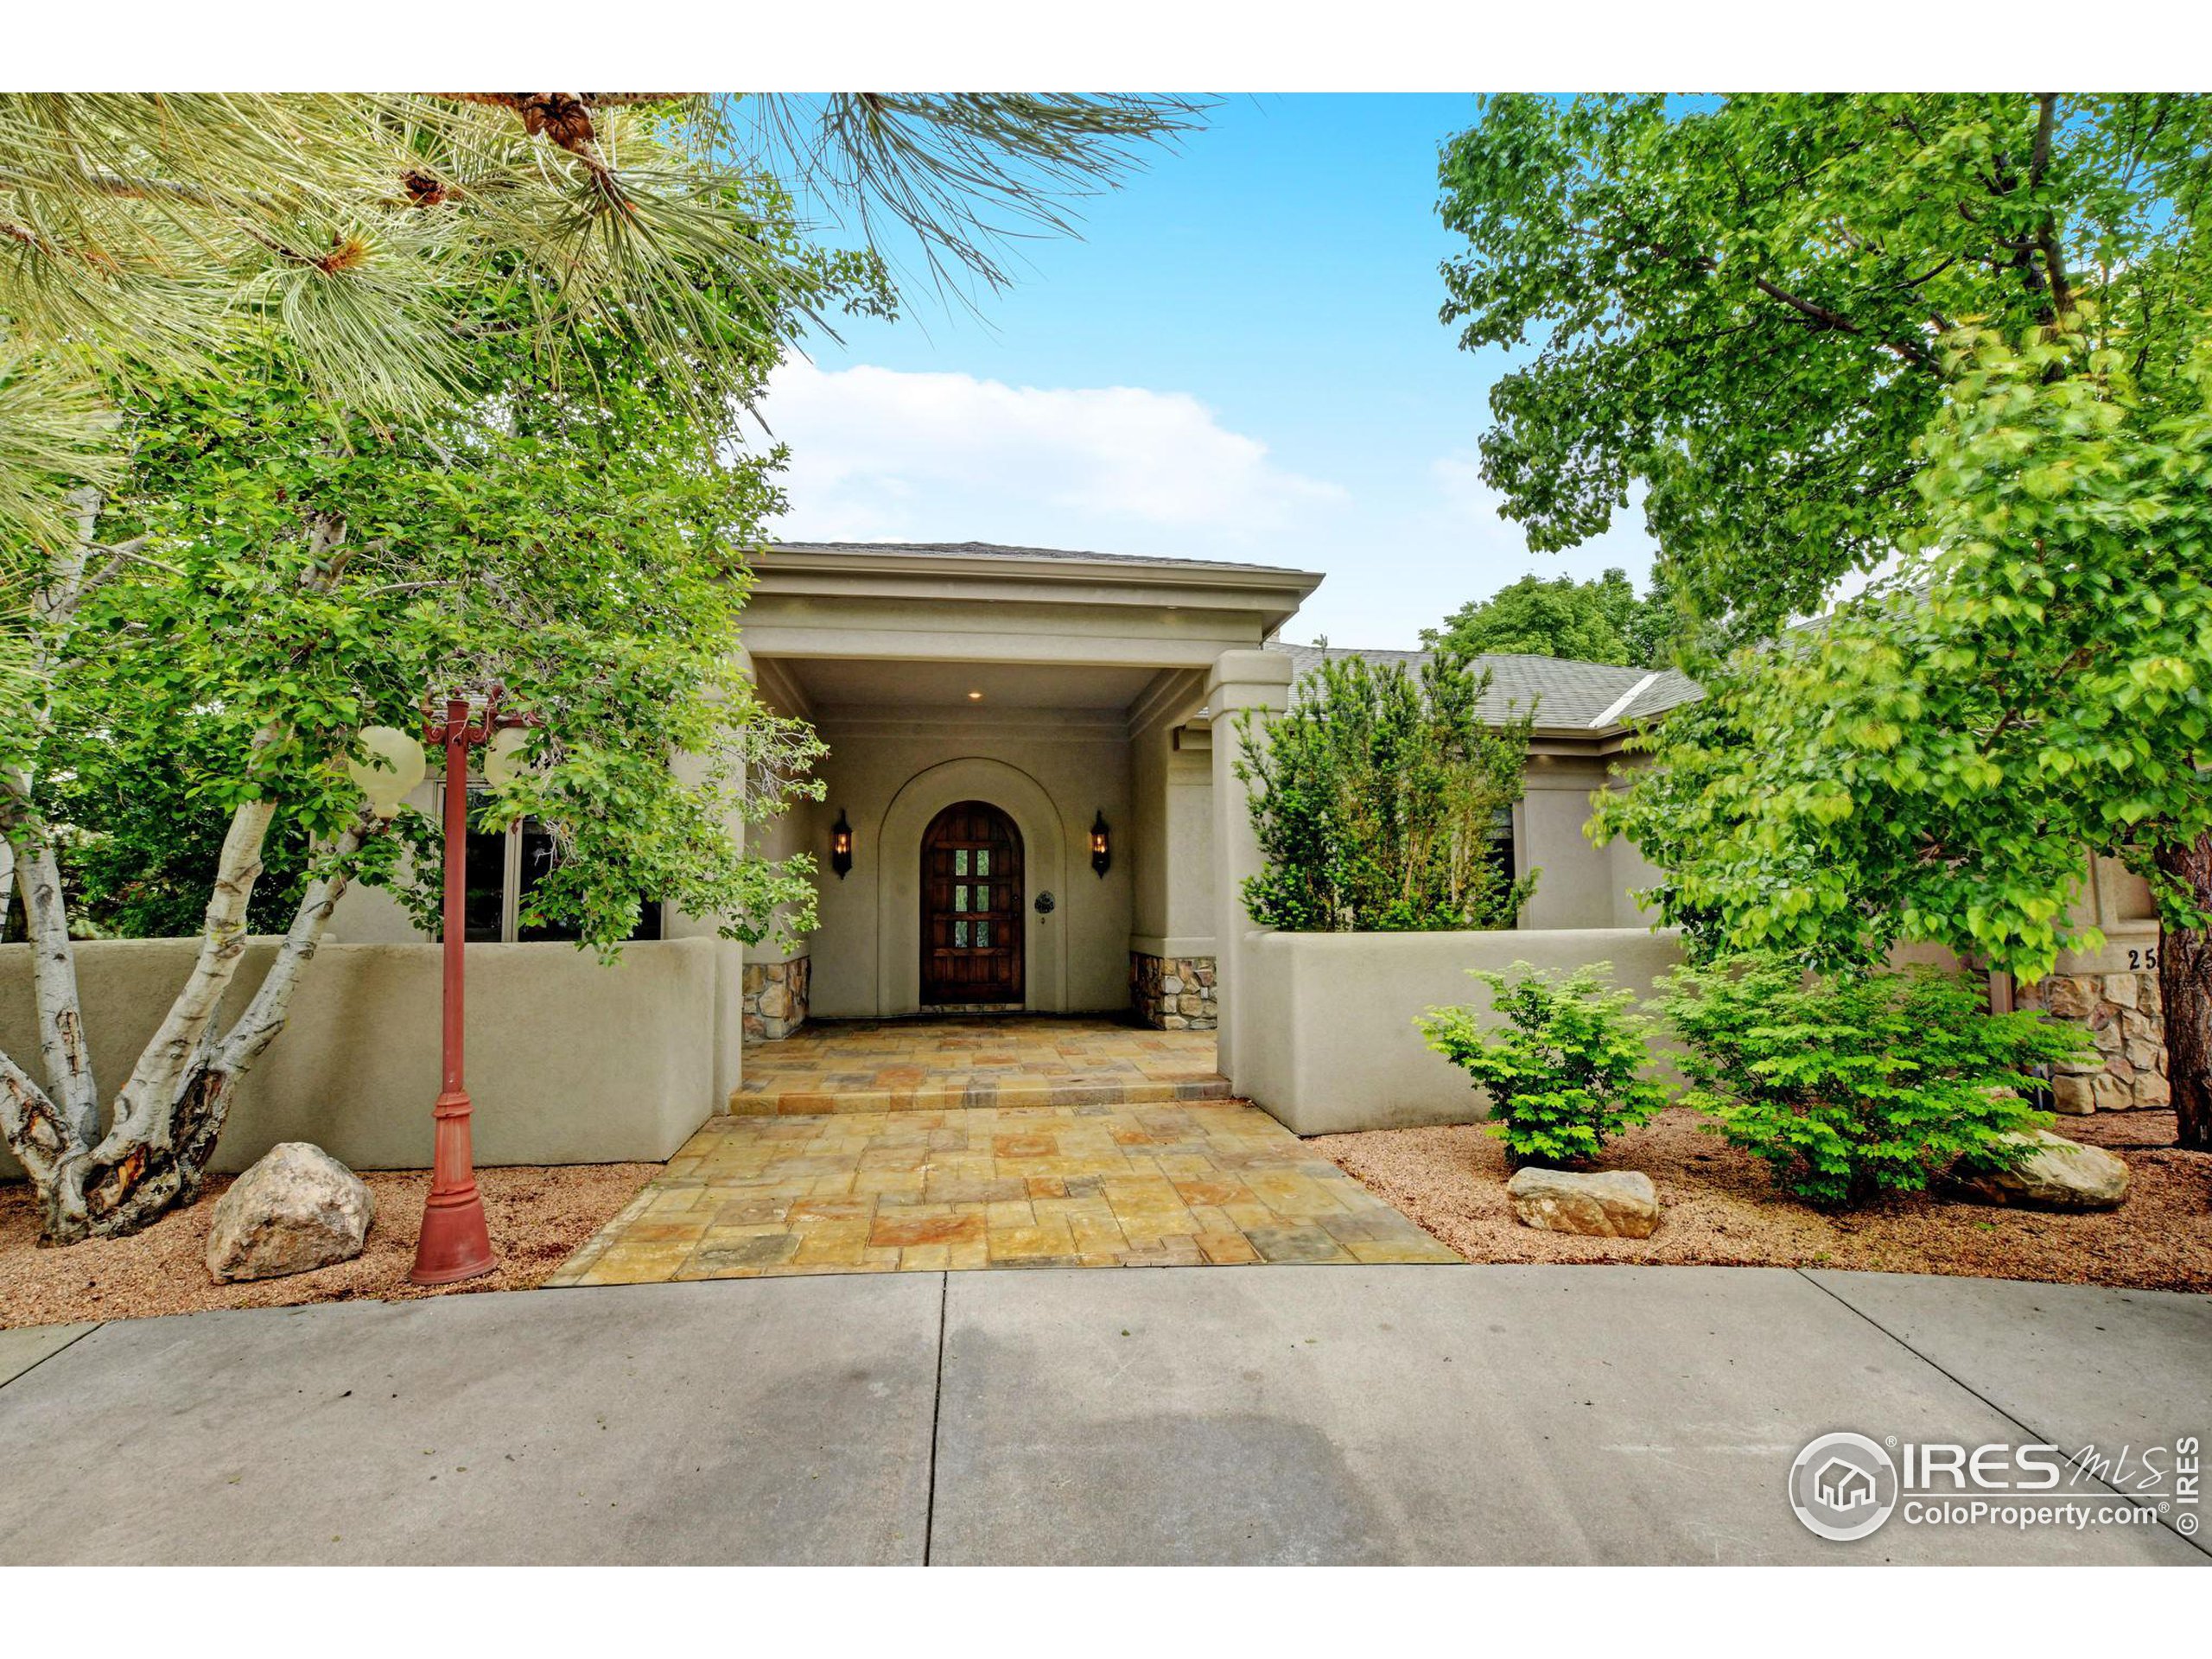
(302, 571)
(1738, 308)
(1378, 798)
(1930, 764)
(138, 851)
(1861, 1082)
(1565, 1073)
(1601, 622)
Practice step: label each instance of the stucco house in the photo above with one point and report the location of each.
(1064, 719)
(1029, 759)
(1030, 806)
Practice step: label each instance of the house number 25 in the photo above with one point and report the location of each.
(2146, 960)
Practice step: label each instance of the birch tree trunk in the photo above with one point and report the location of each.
(163, 1125)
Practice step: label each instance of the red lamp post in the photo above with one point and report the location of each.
(454, 1243)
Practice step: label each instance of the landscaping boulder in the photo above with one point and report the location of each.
(2057, 1174)
(298, 1208)
(1613, 1203)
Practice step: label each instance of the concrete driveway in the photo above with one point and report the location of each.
(1284, 1414)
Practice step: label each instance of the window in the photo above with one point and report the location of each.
(1501, 844)
(503, 868)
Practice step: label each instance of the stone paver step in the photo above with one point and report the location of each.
(979, 1089)
(933, 1065)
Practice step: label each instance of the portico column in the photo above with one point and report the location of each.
(1240, 681)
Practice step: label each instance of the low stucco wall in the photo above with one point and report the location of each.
(1331, 1044)
(568, 1062)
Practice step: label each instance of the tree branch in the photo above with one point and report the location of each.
(38, 1133)
(1911, 351)
(69, 1082)
(2061, 303)
(265, 1015)
(143, 1108)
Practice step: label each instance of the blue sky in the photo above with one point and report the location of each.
(1239, 359)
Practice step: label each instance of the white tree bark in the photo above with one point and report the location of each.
(165, 1121)
(143, 1109)
(265, 1015)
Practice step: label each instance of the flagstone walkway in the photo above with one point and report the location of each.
(993, 1186)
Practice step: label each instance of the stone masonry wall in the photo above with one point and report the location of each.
(1173, 993)
(775, 998)
(2124, 1015)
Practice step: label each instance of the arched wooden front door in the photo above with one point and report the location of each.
(971, 907)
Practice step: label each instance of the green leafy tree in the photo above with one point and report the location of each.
(1862, 1083)
(325, 402)
(1601, 622)
(1932, 763)
(1962, 333)
(1738, 309)
(1378, 801)
(275, 573)
(1565, 1072)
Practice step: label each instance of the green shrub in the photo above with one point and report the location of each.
(1858, 1082)
(1564, 1071)
(1380, 800)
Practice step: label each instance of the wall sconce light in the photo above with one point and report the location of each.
(841, 845)
(1102, 855)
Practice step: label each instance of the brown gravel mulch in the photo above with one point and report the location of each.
(538, 1219)
(1721, 1209)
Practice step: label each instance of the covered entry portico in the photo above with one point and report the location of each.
(1008, 1040)
(1027, 753)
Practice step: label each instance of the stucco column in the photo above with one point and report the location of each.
(1240, 681)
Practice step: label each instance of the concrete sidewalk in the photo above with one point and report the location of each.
(1283, 1414)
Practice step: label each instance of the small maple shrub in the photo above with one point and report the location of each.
(1564, 1072)
(1861, 1082)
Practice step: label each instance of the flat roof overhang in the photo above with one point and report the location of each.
(857, 602)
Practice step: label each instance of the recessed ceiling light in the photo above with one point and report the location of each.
(975, 696)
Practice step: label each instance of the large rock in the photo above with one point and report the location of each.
(1613, 1203)
(298, 1208)
(2057, 1174)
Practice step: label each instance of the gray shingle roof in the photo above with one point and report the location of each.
(1565, 695)
(998, 550)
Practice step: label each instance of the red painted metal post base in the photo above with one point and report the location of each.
(455, 1242)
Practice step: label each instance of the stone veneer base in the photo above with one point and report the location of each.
(2125, 1016)
(1173, 993)
(775, 998)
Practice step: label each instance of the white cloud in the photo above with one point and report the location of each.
(878, 454)
(1501, 546)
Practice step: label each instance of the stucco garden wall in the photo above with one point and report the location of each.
(1330, 1044)
(1579, 884)
(568, 1062)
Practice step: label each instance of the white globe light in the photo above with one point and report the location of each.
(395, 766)
(503, 756)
